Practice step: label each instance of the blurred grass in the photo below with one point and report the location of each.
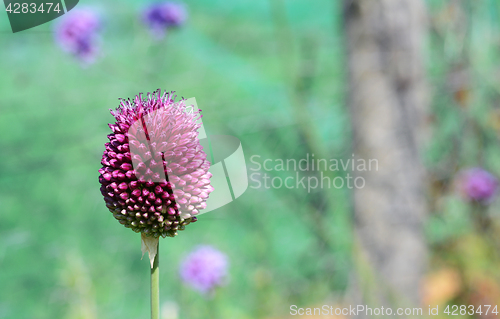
(463, 71)
(54, 125)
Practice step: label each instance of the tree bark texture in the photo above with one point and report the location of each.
(387, 100)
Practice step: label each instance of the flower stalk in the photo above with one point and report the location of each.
(155, 287)
(154, 175)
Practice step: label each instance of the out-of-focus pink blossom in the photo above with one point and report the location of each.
(77, 33)
(164, 15)
(205, 269)
(477, 184)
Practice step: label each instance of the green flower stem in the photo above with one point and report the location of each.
(212, 306)
(155, 286)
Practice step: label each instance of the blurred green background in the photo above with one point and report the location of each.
(255, 67)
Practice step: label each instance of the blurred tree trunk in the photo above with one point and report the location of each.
(387, 99)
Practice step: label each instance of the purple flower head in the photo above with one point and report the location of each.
(477, 184)
(161, 16)
(155, 177)
(204, 269)
(77, 33)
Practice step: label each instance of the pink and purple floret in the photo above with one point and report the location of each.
(205, 269)
(77, 33)
(479, 185)
(164, 15)
(155, 177)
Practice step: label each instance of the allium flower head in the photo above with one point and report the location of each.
(477, 184)
(77, 34)
(155, 177)
(161, 16)
(204, 269)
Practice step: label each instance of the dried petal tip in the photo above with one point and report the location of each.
(150, 245)
(155, 177)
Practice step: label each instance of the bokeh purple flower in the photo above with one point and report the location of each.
(477, 184)
(155, 177)
(164, 15)
(204, 269)
(77, 33)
